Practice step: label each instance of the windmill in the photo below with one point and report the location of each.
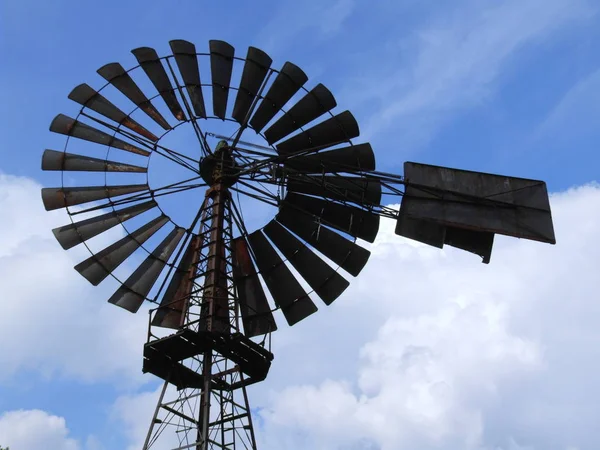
(216, 286)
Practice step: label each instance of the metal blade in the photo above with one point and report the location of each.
(337, 129)
(55, 160)
(99, 266)
(348, 219)
(66, 125)
(221, 66)
(348, 255)
(479, 201)
(348, 189)
(351, 158)
(55, 198)
(430, 233)
(326, 282)
(285, 289)
(88, 97)
(436, 235)
(185, 56)
(478, 242)
(134, 291)
(70, 235)
(151, 64)
(173, 305)
(289, 81)
(254, 308)
(120, 79)
(313, 105)
(255, 71)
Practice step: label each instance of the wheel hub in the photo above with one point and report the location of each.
(220, 167)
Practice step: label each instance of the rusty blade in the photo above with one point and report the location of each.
(88, 97)
(66, 125)
(55, 160)
(173, 305)
(120, 79)
(71, 235)
(335, 130)
(289, 81)
(343, 252)
(313, 105)
(55, 198)
(97, 267)
(287, 293)
(257, 317)
(346, 218)
(354, 157)
(255, 71)
(326, 282)
(187, 61)
(348, 189)
(221, 66)
(136, 288)
(151, 64)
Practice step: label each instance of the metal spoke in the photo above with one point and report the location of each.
(263, 191)
(186, 240)
(256, 197)
(148, 194)
(199, 135)
(255, 101)
(249, 144)
(177, 160)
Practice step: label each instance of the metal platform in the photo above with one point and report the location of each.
(163, 358)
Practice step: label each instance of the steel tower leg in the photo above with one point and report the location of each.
(204, 404)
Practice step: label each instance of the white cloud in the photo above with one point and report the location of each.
(133, 413)
(33, 430)
(53, 321)
(458, 354)
(455, 64)
(574, 117)
(453, 353)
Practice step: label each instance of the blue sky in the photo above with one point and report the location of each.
(507, 87)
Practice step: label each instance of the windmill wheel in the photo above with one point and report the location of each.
(277, 141)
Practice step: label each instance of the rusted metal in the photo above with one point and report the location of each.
(132, 293)
(289, 81)
(88, 97)
(70, 162)
(254, 307)
(116, 75)
(97, 267)
(71, 235)
(151, 64)
(187, 62)
(215, 307)
(173, 306)
(313, 105)
(221, 66)
(63, 124)
(55, 198)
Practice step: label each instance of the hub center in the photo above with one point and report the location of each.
(220, 166)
